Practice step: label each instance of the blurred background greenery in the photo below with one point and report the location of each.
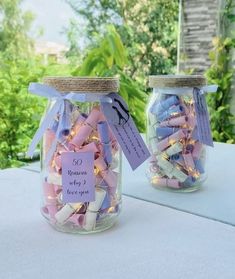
(131, 39)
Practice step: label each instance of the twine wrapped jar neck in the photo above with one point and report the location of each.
(102, 85)
(176, 81)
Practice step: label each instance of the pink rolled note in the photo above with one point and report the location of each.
(186, 108)
(163, 144)
(79, 122)
(77, 219)
(162, 182)
(107, 174)
(197, 150)
(86, 129)
(191, 121)
(91, 147)
(52, 209)
(49, 193)
(49, 137)
(177, 121)
(188, 160)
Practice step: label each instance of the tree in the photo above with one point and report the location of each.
(19, 112)
(147, 29)
(14, 28)
(108, 58)
(221, 73)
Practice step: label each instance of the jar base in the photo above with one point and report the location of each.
(102, 224)
(179, 190)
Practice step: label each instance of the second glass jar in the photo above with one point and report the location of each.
(178, 158)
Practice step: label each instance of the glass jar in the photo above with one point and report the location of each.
(84, 129)
(177, 156)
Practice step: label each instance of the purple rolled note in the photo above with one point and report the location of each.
(103, 131)
(106, 202)
(66, 120)
(189, 182)
(172, 111)
(163, 132)
(198, 165)
(160, 107)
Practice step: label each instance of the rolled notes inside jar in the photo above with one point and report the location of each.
(92, 210)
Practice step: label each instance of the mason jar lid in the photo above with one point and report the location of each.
(83, 84)
(163, 81)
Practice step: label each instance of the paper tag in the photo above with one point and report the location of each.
(125, 131)
(202, 118)
(78, 177)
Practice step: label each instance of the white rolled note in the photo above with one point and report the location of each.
(174, 149)
(54, 178)
(66, 211)
(171, 169)
(92, 210)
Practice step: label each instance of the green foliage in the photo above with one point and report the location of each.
(109, 58)
(20, 112)
(148, 30)
(222, 73)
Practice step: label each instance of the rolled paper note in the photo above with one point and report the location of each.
(162, 182)
(163, 105)
(189, 148)
(171, 169)
(194, 135)
(114, 164)
(176, 121)
(77, 219)
(172, 111)
(66, 118)
(52, 209)
(198, 166)
(54, 178)
(163, 144)
(107, 174)
(178, 158)
(189, 162)
(189, 181)
(112, 190)
(86, 129)
(103, 131)
(55, 125)
(174, 149)
(191, 121)
(90, 147)
(106, 203)
(49, 193)
(48, 139)
(197, 150)
(163, 132)
(57, 161)
(79, 122)
(66, 211)
(93, 208)
(185, 107)
(75, 114)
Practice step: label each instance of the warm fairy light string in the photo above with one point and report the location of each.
(189, 125)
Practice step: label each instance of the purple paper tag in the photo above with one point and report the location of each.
(125, 131)
(202, 118)
(78, 177)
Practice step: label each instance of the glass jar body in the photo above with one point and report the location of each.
(84, 129)
(178, 158)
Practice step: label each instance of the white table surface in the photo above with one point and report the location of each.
(215, 199)
(149, 241)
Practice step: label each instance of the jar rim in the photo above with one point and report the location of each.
(163, 81)
(83, 84)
